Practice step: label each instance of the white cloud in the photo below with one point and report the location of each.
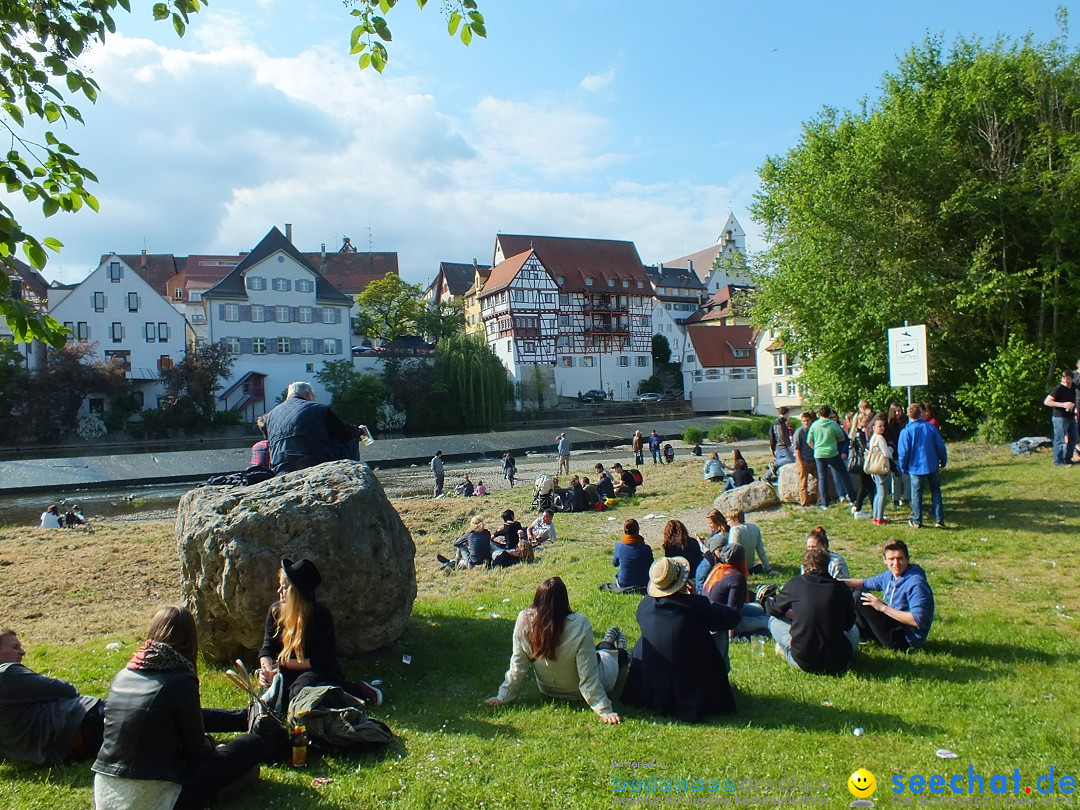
(597, 81)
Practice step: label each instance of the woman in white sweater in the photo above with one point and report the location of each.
(559, 645)
(877, 442)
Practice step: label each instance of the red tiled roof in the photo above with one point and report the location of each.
(714, 345)
(33, 283)
(503, 273)
(352, 272)
(575, 258)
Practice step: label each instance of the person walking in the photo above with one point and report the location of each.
(438, 469)
(654, 447)
(509, 468)
(562, 447)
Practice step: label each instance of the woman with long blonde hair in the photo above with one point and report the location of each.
(299, 640)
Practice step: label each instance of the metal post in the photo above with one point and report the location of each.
(909, 387)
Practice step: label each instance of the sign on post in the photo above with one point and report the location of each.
(907, 356)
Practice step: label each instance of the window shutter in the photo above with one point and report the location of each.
(245, 345)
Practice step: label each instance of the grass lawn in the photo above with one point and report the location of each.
(996, 682)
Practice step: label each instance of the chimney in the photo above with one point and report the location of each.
(322, 259)
(691, 265)
(288, 231)
(142, 258)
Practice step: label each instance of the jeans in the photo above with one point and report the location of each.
(881, 483)
(841, 478)
(917, 484)
(780, 630)
(440, 479)
(901, 489)
(655, 455)
(752, 619)
(1064, 439)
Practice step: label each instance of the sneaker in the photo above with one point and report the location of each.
(371, 695)
(780, 651)
(442, 559)
(612, 635)
(939, 525)
(913, 524)
(822, 507)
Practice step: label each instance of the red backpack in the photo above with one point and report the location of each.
(638, 478)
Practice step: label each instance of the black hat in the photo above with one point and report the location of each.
(302, 575)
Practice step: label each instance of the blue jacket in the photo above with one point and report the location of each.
(633, 562)
(713, 470)
(921, 449)
(303, 433)
(910, 592)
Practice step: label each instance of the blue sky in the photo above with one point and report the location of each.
(625, 120)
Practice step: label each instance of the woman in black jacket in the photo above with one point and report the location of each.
(299, 640)
(155, 753)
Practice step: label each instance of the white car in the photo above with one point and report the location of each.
(651, 397)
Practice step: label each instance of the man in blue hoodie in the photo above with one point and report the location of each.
(902, 619)
(922, 453)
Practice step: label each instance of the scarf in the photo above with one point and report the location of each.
(633, 539)
(153, 656)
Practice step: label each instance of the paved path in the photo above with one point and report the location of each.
(34, 475)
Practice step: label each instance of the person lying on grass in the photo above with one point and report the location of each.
(559, 645)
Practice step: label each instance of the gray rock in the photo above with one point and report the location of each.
(789, 485)
(751, 498)
(231, 541)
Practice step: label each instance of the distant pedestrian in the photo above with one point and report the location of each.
(638, 445)
(922, 454)
(654, 447)
(1062, 401)
(438, 469)
(562, 447)
(509, 468)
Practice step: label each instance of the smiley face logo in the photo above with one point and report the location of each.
(862, 784)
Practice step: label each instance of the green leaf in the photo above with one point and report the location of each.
(355, 36)
(92, 203)
(365, 61)
(378, 57)
(13, 111)
(421, 3)
(359, 47)
(35, 254)
(466, 35)
(49, 206)
(161, 11)
(479, 29)
(381, 28)
(52, 112)
(178, 25)
(453, 23)
(384, 6)
(52, 243)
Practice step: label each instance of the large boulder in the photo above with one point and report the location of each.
(751, 498)
(231, 541)
(789, 485)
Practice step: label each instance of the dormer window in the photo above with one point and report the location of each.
(611, 282)
(625, 283)
(640, 285)
(588, 281)
(560, 280)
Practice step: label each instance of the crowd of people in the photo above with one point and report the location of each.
(148, 739)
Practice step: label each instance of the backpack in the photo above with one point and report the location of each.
(599, 506)
(334, 718)
(856, 453)
(638, 478)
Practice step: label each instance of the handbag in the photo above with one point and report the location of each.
(876, 463)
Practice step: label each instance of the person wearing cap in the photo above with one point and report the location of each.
(676, 668)
(813, 619)
(558, 644)
(632, 556)
(303, 433)
(299, 640)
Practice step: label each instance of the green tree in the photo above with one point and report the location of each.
(1005, 400)
(191, 386)
(950, 201)
(444, 320)
(354, 396)
(14, 380)
(478, 388)
(661, 349)
(390, 308)
(49, 408)
(41, 82)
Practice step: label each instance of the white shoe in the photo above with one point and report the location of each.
(855, 513)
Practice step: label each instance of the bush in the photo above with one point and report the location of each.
(693, 435)
(730, 431)
(760, 426)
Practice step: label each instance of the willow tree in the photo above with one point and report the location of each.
(478, 389)
(951, 200)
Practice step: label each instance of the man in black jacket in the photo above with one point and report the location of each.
(813, 619)
(303, 433)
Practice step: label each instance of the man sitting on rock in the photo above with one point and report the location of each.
(303, 433)
(45, 720)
